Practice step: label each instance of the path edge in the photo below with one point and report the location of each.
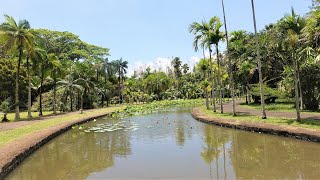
(266, 128)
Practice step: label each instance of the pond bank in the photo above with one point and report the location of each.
(14, 152)
(259, 127)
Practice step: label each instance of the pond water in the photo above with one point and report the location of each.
(170, 145)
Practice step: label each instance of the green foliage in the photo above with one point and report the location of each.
(310, 84)
(157, 106)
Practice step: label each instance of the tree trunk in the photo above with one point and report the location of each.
(231, 84)
(5, 119)
(212, 82)
(54, 96)
(219, 80)
(29, 90)
(17, 115)
(71, 101)
(299, 85)
(207, 98)
(264, 115)
(296, 89)
(81, 109)
(40, 109)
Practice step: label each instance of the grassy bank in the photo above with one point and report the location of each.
(281, 105)
(306, 123)
(10, 135)
(158, 106)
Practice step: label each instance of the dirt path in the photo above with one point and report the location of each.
(250, 111)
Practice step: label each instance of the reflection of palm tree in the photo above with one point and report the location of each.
(214, 141)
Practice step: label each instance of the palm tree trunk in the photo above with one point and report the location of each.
(231, 84)
(212, 82)
(219, 80)
(40, 109)
(264, 115)
(299, 84)
(81, 108)
(296, 89)
(29, 90)
(54, 96)
(207, 98)
(71, 101)
(17, 115)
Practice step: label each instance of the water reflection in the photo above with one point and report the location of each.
(171, 145)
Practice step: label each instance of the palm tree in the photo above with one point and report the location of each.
(122, 67)
(70, 85)
(264, 115)
(16, 36)
(231, 83)
(215, 37)
(56, 73)
(202, 32)
(33, 53)
(293, 25)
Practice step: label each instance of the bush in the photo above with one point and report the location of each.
(310, 85)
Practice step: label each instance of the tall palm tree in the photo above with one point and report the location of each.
(264, 114)
(215, 37)
(293, 25)
(202, 33)
(17, 37)
(122, 67)
(231, 83)
(33, 53)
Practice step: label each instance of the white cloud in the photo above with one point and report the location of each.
(159, 64)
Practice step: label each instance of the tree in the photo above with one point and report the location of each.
(70, 85)
(16, 37)
(264, 115)
(185, 68)
(215, 37)
(122, 67)
(231, 82)
(292, 25)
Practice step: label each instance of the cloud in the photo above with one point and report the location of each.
(159, 64)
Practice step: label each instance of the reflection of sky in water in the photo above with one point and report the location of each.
(171, 145)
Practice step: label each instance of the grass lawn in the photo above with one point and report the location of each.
(10, 135)
(305, 123)
(281, 105)
(24, 115)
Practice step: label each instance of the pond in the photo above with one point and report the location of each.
(169, 145)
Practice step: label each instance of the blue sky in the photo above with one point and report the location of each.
(144, 32)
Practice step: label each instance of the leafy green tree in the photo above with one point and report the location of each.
(16, 37)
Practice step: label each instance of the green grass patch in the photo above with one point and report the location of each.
(24, 115)
(305, 123)
(10, 135)
(281, 105)
(158, 106)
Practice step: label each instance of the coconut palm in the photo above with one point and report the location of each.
(16, 37)
(264, 114)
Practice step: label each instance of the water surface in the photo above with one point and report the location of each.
(170, 145)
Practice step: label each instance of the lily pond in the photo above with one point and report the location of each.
(169, 145)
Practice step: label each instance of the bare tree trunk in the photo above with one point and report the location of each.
(296, 89)
(231, 83)
(299, 85)
(54, 96)
(29, 90)
(219, 80)
(212, 82)
(207, 99)
(71, 101)
(17, 115)
(264, 115)
(81, 110)
(40, 109)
